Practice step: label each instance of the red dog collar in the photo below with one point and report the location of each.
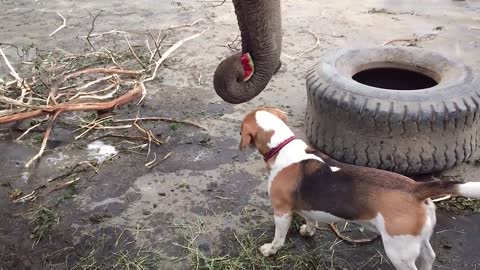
(277, 149)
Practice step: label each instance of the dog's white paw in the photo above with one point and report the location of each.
(305, 232)
(268, 249)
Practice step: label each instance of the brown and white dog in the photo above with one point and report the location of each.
(320, 189)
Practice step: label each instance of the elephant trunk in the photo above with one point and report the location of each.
(242, 76)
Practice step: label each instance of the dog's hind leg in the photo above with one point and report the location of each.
(282, 223)
(309, 228)
(427, 256)
(402, 251)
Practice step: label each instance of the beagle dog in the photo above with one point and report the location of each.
(309, 183)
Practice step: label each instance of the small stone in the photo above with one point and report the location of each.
(145, 212)
(155, 205)
(98, 218)
(162, 194)
(447, 246)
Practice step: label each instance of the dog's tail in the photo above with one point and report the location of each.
(437, 188)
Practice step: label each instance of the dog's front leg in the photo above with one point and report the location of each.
(282, 223)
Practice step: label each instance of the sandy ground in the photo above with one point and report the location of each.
(206, 187)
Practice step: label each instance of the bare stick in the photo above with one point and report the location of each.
(92, 126)
(101, 70)
(70, 107)
(444, 198)
(29, 197)
(64, 185)
(144, 91)
(61, 26)
(157, 45)
(157, 118)
(11, 111)
(347, 239)
(233, 45)
(149, 49)
(87, 85)
(28, 130)
(53, 91)
(93, 122)
(10, 101)
(12, 70)
(89, 71)
(91, 29)
(130, 138)
(185, 25)
(20, 82)
(217, 5)
(412, 40)
(149, 134)
(83, 95)
(45, 139)
(474, 28)
(164, 158)
(317, 43)
(114, 127)
(170, 51)
(134, 54)
(148, 164)
(92, 35)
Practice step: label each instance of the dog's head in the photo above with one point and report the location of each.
(258, 126)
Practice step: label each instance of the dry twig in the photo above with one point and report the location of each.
(91, 29)
(157, 43)
(444, 198)
(61, 26)
(158, 118)
(91, 126)
(29, 197)
(64, 185)
(53, 92)
(70, 107)
(45, 138)
(185, 25)
(347, 239)
(170, 51)
(12, 70)
(93, 35)
(160, 161)
(20, 82)
(234, 44)
(28, 130)
(411, 41)
(134, 54)
(217, 5)
(317, 44)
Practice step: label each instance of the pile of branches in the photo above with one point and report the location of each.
(57, 84)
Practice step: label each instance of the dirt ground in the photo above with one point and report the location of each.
(206, 205)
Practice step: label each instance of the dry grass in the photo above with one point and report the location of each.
(242, 252)
(460, 205)
(42, 219)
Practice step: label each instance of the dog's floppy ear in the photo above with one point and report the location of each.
(278, 113)
(246, 136)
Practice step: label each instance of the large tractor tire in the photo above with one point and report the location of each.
(395, 108)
